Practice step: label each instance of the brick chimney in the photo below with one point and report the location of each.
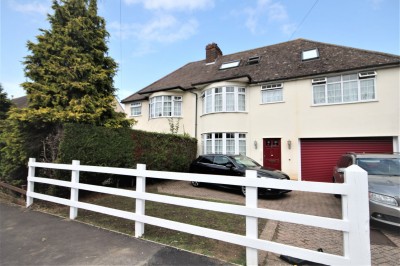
(212, 52)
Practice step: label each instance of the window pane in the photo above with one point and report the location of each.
(242, 146)
(177, 108)
(350, 77)
(230, 102)
(333, 79)
(167, 108)
(242, 102)
(218, 143)
(136, 110)
(334, 93)
(158, 109)
(270, 96)
(208, 103)
(230, 143)
(218, 102)
(208, 140)
(319, 94)
(367, 89)
(230, 89)
(350, 91)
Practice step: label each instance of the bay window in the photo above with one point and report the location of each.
(224, 99)
(224, 143)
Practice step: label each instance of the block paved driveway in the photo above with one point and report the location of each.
(385, 240)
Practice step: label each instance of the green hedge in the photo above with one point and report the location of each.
(124, 148)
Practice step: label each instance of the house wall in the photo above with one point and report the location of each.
(296, 118)
(161, 124)
(293, 119)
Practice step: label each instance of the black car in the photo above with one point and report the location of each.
(235, 165)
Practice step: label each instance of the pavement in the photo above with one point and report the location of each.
(32, 238)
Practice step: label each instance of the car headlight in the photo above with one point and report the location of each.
(382, 199)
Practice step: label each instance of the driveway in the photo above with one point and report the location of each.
(385, 240)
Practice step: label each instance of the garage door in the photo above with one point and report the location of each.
(319, 156)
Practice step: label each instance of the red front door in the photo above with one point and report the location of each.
(272, 153)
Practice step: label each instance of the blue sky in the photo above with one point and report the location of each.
(151, 38)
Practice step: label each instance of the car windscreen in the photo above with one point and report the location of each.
(380, 166)
(244, 161)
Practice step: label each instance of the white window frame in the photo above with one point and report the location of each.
(268, 89)
(230, 64)
(341, 83)
(161, 102)
(211, 143)
(209, 99)
(310, 54)
(136, 108)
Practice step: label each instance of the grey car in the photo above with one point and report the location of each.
(383, 183)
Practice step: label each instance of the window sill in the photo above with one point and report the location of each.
(330, 104)
(166, 117)
(216, 113)
(272, 103)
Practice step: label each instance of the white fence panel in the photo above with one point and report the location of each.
(354, 224)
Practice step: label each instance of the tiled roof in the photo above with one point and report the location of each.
(277, 62)
(20, 102)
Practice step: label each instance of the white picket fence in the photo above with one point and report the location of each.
(354, 223)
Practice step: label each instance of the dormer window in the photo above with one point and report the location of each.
(310, 54)
(230, 64)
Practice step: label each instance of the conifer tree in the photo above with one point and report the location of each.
(5, 103)
(70, 73)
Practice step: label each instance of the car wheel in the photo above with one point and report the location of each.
(243, 190)
(195, 183)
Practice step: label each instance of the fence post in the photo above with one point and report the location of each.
(73, 211)
(31, 184)
(251, 222)
(140, 203)
(356, 210)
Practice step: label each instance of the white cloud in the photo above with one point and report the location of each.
(31, 7)
(171, 5)
(265, 11)
(162, 29)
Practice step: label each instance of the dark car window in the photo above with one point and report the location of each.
(221, 160)
(207, 159)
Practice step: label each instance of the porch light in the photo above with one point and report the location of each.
(289, 144)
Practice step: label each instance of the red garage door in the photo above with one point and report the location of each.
(319, 156)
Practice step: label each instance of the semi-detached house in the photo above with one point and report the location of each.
(294, 106)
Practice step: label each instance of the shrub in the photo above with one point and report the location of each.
(125, 148)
